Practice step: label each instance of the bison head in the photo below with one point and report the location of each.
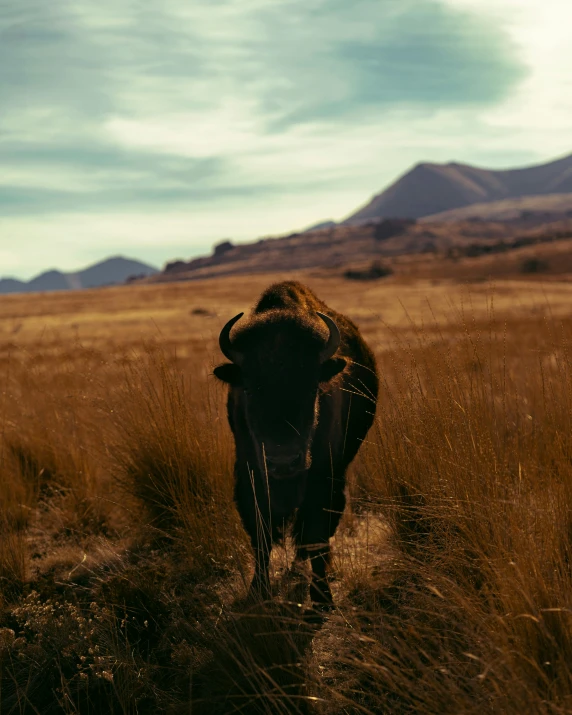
(278, 362)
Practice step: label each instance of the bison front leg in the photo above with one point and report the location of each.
(316, 522)
(320, 592)
(319, 555)
(252, 505)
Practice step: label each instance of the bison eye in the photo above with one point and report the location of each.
(331, 368)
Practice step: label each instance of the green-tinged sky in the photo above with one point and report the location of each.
(153, 129)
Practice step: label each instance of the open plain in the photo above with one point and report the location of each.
(124, 569)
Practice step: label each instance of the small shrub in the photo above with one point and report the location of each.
(376, 270)
(533, 265)
(390, 227)
(223, 247)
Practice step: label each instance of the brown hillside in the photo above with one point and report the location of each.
(342, 246)
(533, 209)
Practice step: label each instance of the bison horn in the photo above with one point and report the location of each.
(334, 339)
(225, 344)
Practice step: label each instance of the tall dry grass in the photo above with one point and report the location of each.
(124, 568)
(471, 463)
(170, 450)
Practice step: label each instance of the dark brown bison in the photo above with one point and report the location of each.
(302, 397)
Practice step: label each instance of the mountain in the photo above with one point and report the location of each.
(109, 272)
(434, 188)
(113, 270)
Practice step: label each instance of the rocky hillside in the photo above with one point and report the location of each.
(345, 245)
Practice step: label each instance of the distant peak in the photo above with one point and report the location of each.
(114, 270)
(429, 188)
(425, 166)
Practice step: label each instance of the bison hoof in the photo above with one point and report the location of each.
(321, 597)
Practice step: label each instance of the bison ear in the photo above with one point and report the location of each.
(331, 368)
(229, 372)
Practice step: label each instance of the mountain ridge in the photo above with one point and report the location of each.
(110, 271)
(432, 188)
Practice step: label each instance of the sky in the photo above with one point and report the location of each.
(155, 129)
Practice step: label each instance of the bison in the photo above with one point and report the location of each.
(302, 396)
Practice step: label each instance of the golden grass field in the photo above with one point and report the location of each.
(124, 569)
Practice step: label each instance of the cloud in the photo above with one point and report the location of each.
(329, 58)
(227, 108)
(289, 62)
(69, 176)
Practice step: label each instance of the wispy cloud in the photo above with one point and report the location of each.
(181, 123)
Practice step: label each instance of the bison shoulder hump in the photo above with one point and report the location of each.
(289, 295)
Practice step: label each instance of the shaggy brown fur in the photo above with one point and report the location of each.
(287, 407)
